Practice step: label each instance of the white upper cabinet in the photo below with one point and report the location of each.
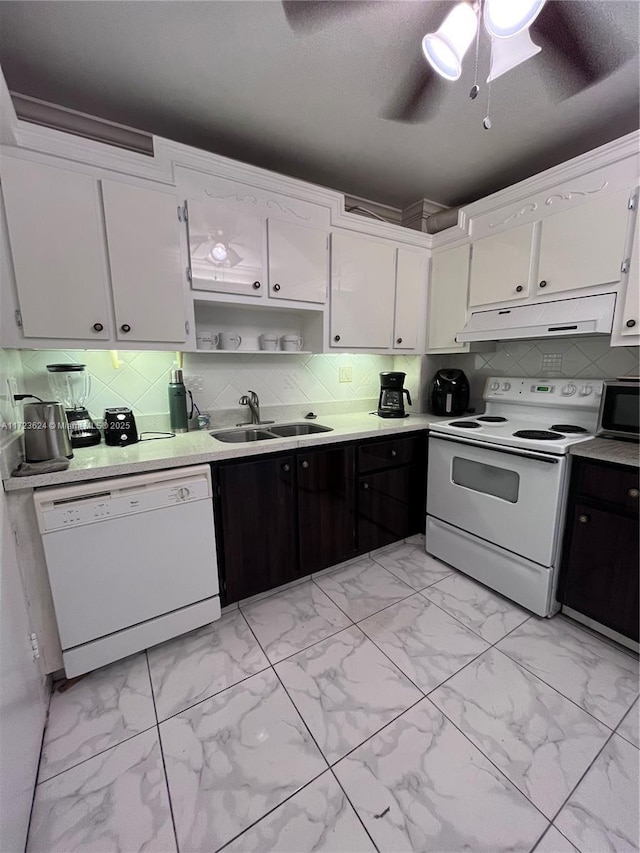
(298, 261)
(362, 292)
(630, 321)
(147, 276)
(409, 317)
(501, 266)
(583, 246)
(58, 251)
(447, 308)
(226, 244)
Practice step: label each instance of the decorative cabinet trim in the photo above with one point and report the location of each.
(569, 194)
(528, 208)
(254, 200)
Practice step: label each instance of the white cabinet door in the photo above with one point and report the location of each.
(630, 326)
(298, 261)
(226, 247)
(500, 266)
(147, 278)
(583, 246)
(410, 302)
(58, 250)
(362, 292)
(447, 309)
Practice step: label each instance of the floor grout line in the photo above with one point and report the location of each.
(355, 810)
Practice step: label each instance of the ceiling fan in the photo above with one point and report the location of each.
(518, 30)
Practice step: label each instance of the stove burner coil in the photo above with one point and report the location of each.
(493, 419)
(465, 424)
(568, 428)
(538, 434)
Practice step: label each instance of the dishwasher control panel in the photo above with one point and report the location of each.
(61, 508)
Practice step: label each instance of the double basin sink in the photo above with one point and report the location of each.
(264, 433)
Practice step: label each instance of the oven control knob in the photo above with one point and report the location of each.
(506, 386)
(494, 386)
(585, 390)
(568, 390)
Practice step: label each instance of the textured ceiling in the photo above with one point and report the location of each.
(309, 100)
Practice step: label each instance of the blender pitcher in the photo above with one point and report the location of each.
(71, 384)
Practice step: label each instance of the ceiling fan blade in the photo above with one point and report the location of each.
(419, 97)
(310, 15)
(577, 62)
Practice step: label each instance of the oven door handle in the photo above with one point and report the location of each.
(498, 449)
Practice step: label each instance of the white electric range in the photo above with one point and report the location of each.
(497, 484)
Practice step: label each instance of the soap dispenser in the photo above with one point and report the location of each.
(177, 402)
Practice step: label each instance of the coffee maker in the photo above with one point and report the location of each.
(391, 400)
(449, 392)
(72, 384)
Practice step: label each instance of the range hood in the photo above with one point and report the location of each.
(585, 315)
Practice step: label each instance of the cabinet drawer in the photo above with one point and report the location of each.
(385, 454)
(617, 486)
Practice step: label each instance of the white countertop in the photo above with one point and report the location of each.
(193, 448)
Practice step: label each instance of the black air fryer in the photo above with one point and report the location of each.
(449, 393)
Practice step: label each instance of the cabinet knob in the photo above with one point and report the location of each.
(276, 287)
(633, 493)
(286, 467)
(543, 283)
(336, 337)
(583, 519)
(394, 452)
(125, 327)
(399, 341)
(630, 324)
(256, 285)
(305, 464)
(98, 327)
(365, 485)
(519, 288)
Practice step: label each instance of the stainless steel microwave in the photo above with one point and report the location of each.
(619, 409)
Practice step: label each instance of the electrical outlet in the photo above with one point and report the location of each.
(344, 374)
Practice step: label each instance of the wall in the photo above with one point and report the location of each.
(10, 442)
(588, 357)
(288, 385)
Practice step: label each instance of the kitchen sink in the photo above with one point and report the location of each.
(233, 436)
(238, 436)
(298, 429)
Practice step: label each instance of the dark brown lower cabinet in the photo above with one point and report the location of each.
(599, 574)
(257, 530)
(325, 507)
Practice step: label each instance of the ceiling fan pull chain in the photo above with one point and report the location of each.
(486, 121)
(473, 94)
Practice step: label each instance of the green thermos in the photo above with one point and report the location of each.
(177, 402)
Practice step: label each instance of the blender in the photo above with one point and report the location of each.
(71, 384)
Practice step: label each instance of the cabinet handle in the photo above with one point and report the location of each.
(633, 493)
(399, 341)
(365, 485)
(336, 337)
(394, 452)
(276, 287)
(543, 283)
(286, 467)
(305, 464)
(125, 327)
(256, 285)
(630, 324)
(98, 327)
(583, 519)
(519, 288)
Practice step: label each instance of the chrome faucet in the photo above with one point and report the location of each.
(253, 402)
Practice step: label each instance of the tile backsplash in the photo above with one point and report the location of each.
(588, 357)
(10, 368)
(293, 383)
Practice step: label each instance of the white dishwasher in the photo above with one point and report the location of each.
(131, 562)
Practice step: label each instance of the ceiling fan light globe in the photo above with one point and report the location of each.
(445, 49)
(219, 253)
(507, 53)
(506, 18)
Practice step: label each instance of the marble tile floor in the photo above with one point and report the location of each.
(390, 704)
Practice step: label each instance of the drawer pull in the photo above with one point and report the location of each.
(365, 485)
(276, 287)
(98, 327)
(394, 452)
(583, 519)
(633, 493)
(286, 467)
(256, 285)
(519, 288)
(125, 327)
(305, 464)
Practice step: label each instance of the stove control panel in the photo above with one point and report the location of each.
(568, 393)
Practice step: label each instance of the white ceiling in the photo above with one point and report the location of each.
(235, 78)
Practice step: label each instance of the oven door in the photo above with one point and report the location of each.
(511, 498)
